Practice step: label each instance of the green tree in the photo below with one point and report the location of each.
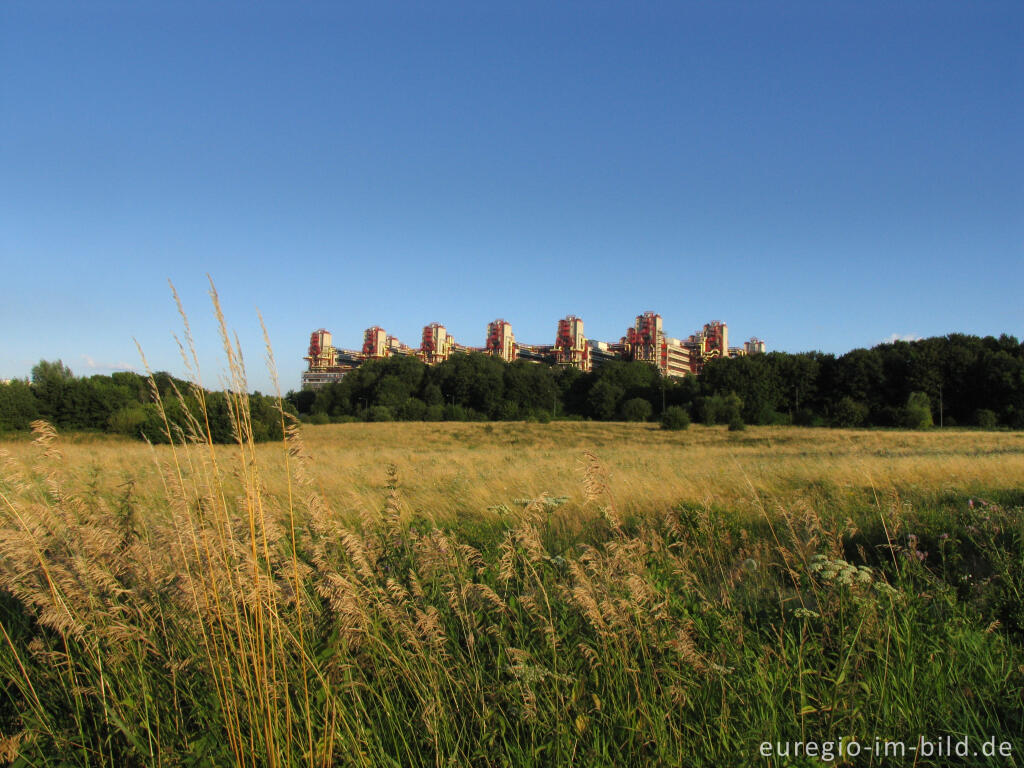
(753, 379)
(475, 380)
(333, 400)
(432, 394)
(302, 400)
(379, 413)
(859, 375)
(391, 392)
(46, 371)
(18, 406)
(637, 409)
(603, 400)
(49, 382)
(530, 387)
(917, 414)
(849, 413)
(720, 409)
(413, 409)
(797, 377)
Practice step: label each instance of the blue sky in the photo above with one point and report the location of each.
(821, 175)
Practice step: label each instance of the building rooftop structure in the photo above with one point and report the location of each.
(646, 341)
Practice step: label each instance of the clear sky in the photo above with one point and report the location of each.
(820, 174)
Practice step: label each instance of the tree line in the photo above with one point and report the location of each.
(955, 380)
(952, 380)
(125, 403)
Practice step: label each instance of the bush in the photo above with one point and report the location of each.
(509, 411)
(702, 411)
(736, 424)
(636, 409)
(918, 412)
(379, 413)
(777, 419)
(319, 418)
(768, 415)
(720, 409)
(887, 416)
(413, 409)
(675, 417)
(805, 417)
(128, 421)
(454, 413)
(849, 413)
(985, 418)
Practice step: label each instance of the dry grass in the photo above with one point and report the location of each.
(451, 470)
(251, 606)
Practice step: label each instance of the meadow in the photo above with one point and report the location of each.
(451, 470)
(510, 593)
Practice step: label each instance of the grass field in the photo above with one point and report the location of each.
(511, 594)
(452, 470)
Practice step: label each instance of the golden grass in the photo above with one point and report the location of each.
(453, 470)
(294, 590)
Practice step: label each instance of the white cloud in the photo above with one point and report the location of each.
(92, 365)
(894, 337)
